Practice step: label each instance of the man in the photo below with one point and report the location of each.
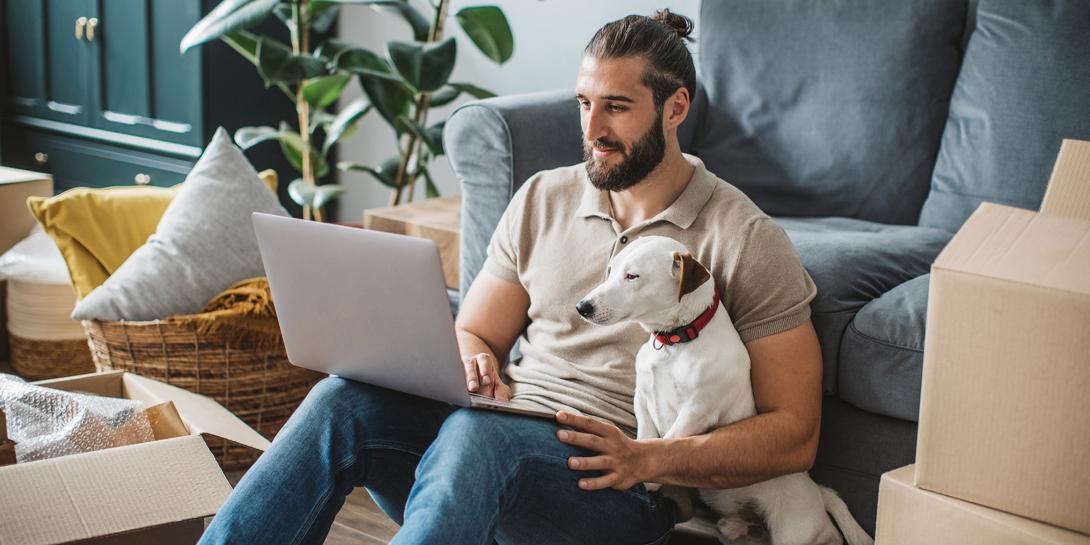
(464, 476)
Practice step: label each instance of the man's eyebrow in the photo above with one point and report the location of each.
(615, 98)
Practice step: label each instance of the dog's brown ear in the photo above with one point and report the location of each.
(690, 273)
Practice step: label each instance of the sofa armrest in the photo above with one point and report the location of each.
(493, 146)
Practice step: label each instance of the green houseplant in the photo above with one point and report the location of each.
(400, 86)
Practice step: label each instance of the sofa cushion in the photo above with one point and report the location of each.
(1022, 89)
(853, 262)
(831, 108)
(881, 355)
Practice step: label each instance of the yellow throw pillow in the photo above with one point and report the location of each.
(98, 229)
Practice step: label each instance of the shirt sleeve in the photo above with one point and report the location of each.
(502, 254)
(770, 290)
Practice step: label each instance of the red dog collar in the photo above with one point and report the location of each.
(688, 332)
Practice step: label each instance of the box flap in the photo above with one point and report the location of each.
(107, 383)
(200, 414)
(109, 491)
(1068, 193)
(1022, 246)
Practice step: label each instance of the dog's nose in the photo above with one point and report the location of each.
(585, 308)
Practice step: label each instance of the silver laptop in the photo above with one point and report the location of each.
(369, 306)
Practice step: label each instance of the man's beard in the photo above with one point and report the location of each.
(635, 165)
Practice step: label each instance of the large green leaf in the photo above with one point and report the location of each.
(386, 91)
(487, 27)
(430, 189)
(244, 42)
(248, 137)
(228, 16)
(345, 121)
(471, 89)
(426, 67)
(431, 136)
(385, 173)
(332, 47)
(302, 191)
(315, 196)
(418, 22)
(323, 91)
(322, 16)
(277, 64)
(293, 146)
(444, 96)
(365, 63)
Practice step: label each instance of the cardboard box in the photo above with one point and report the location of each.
(438, 219)
(1005, 404)
(16, 222)
(157, 492)
(910, 516)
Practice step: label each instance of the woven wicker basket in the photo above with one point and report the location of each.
(250, 376)
(35, 359)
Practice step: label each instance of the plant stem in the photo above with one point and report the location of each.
(423, 102)
(299, 46)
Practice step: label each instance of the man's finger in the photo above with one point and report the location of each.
(590, 463)
(485, 368)
(598, 483)
(584, 423)
(585, 440)
(470, 366)
(486, 371)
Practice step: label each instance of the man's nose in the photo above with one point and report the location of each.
(585, 308)
(595, 125)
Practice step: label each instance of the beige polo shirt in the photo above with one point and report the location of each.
(556, 239)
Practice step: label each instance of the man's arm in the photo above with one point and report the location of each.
(490, 319)
(782, 438)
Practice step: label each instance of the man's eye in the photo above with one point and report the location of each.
(631, 276)
(617, 108)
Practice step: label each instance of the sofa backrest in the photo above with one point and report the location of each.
(1024, 87)
(831, 108)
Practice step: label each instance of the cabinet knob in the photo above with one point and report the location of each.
(91, 24)
(142, 179)
(81, 23)
(41, 158)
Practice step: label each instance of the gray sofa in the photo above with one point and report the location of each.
(870, 130)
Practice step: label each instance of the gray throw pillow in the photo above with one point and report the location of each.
(204, 243)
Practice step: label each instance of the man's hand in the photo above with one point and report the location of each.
(622, 460)
(483, 376)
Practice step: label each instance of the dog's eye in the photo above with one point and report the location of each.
(631, 276)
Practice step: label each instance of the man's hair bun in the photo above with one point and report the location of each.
(680, 24)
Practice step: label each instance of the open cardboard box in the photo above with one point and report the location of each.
(910, 516)
(157, 492)
(1005, 403)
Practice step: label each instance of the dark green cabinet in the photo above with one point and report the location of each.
(96, 93)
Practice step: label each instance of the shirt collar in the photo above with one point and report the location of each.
(682, 212)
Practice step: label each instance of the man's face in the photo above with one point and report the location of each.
(623, 140)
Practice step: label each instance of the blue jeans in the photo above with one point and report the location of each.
(446, 475)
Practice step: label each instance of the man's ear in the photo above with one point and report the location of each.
(689, 272)
(677, 108)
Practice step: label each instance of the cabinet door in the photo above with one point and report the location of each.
(147, 88)
(48, 65)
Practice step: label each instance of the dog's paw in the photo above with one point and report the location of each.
(652, 487)
(733, 527)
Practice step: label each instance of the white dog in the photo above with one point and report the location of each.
(692, 376)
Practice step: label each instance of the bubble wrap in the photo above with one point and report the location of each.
(46, 423)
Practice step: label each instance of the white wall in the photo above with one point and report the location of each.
(549, 39)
